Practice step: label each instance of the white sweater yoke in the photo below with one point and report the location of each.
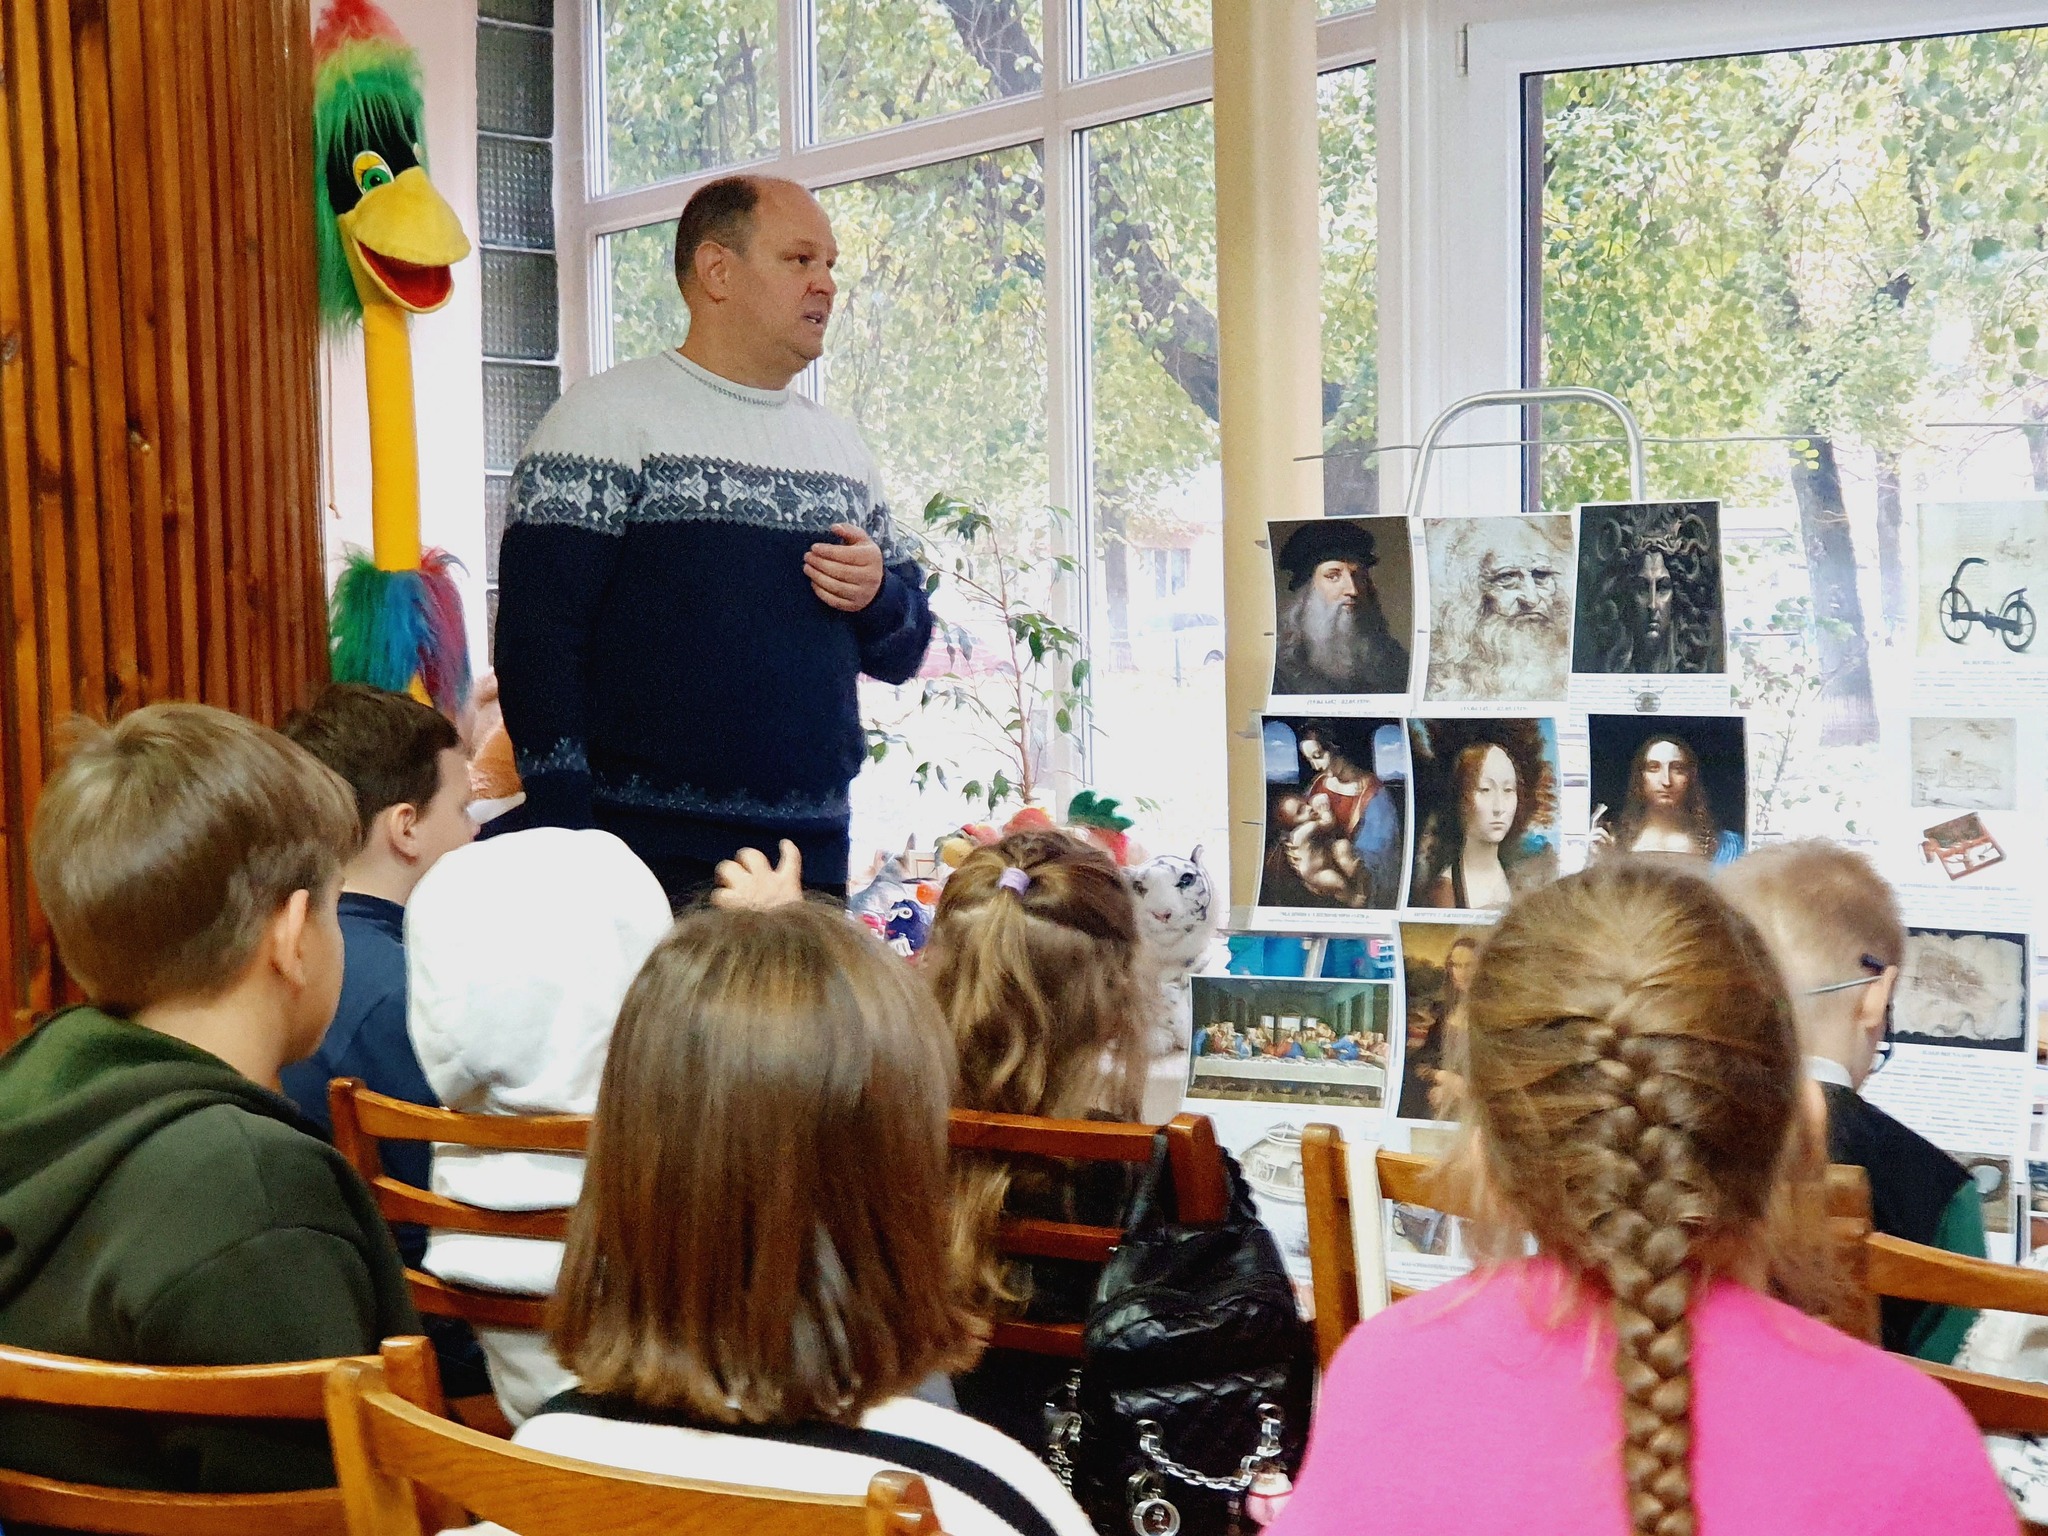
(666, 406)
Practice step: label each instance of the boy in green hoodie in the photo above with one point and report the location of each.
(161, 1202)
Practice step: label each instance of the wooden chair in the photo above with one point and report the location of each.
(388, 1451)
(1408, 1178)
(290, 1391)
(1200, 1194)
(362, 1119)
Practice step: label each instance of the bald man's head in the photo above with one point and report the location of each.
(754, 258)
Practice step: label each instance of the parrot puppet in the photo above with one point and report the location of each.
(387, 240)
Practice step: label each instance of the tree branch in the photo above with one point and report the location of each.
(1177, 328)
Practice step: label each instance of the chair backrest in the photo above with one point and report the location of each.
(1201, 1194)
(362, 1119)
(290, 1391)
(386, 1450)
(1408, 1178)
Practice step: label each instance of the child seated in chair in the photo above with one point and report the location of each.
(406, 766)
(519, 950)
(1034, 959)
(757, 1274)
(161, 1201)
(1833, 925)
(1635, 1103)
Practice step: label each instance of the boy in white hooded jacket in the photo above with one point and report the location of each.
(519, 950)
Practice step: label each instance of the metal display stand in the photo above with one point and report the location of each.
(1631, 429)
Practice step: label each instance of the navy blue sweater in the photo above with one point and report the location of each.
(667, 671)
(368, 1039)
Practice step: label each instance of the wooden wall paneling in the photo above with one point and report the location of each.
(93, 691)
(133, 199)
(52, 610)
(261, 317)
(168, 164)
(13, 467)
(204, 328)
(49, 612)
(238, 423)
(90, 75)
(22, 718)
(159, 526)
(312, 574)
(289, 504)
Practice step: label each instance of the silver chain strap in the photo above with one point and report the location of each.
(1267, 1453)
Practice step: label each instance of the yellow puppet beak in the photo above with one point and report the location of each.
(401, 240)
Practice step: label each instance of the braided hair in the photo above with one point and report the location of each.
(1634, 1088)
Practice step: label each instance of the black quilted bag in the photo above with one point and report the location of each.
(1198, 1371)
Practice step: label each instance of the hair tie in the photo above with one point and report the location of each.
(1014, 879)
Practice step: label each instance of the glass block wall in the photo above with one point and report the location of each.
(515, 113)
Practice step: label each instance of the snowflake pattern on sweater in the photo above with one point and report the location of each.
(666, 669)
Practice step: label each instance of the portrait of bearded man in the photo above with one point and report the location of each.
(1500, 598)
(1334, 634)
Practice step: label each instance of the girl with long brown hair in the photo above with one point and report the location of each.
(757, 1275)
(1034, 960)
(1635, 1105)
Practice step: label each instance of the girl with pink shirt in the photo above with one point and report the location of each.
(1635, 1102)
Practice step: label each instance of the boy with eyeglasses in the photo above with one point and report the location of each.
(1833, 925)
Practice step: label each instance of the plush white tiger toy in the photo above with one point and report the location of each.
(1177, 929)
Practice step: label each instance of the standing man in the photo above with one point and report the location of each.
(698, 564)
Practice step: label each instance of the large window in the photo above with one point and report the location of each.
(1850, 284)
(1024, 197)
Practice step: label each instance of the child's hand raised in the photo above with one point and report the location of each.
(749, 880)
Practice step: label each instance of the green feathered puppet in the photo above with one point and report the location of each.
(387, 241)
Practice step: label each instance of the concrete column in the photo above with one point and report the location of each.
(1269, 314)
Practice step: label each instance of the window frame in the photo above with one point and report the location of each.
(1059, 115)
(1453, 246)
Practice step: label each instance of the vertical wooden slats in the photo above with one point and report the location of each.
(209, 471)
(82, 538)
(22, 720)
(103, 289)
(167, 174)
(133, 189)
(159, 522)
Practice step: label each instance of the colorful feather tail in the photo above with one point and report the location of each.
(393, 626)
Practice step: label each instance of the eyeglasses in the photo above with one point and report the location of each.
(1877, 968)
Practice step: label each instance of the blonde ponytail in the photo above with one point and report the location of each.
(1033, 957)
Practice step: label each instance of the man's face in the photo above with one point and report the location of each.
(782, 287)
(1519, 586)
(1666, 776)
(1340, 583)
(1652, 600)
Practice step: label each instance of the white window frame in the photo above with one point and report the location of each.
(1058, 115)
(1450, 177)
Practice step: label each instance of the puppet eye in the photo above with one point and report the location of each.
(371, 171)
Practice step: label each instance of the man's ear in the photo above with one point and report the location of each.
(285, 942)
(713, 263)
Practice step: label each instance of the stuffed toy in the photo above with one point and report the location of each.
(1101, 823)
(1176, 932)
(387, 240)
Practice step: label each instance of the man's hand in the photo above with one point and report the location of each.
(748, 881)
(846, 575)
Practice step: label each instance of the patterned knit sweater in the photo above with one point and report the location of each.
(667, 673)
